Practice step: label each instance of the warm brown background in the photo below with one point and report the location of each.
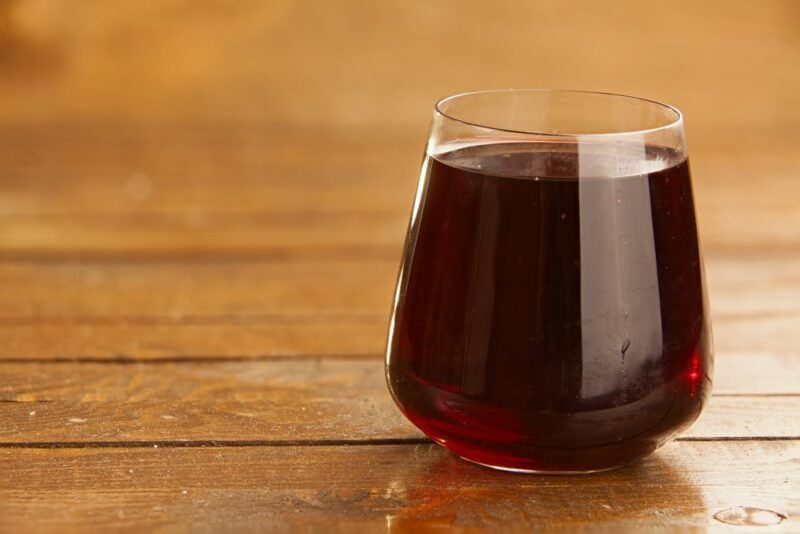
(732, 66)
(201, 210)
(365, 68)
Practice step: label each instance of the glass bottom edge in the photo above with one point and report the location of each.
(541, 471)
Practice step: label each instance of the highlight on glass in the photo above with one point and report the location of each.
(550, 312)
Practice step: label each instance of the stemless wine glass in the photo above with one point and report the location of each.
(550, 312)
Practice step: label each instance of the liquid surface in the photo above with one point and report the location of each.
(550, 317)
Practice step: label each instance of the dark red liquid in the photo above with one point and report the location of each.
(551, 317)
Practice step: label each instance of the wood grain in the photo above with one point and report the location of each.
(742, 286)
(246, 380)
(307, 418)
(394, 488)
(216, 196)
(173, 340)
(260, 308)
(267, 402)
(198, 174)
(216, 338)
(196, 290)
(310, 234)
(306, 236)
(177, 192)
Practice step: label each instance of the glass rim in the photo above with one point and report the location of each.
(676, 123)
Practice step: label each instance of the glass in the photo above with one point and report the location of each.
(550, 312)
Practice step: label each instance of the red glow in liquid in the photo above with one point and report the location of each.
(694, 373)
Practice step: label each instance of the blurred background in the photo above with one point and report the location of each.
(356, 69)
(732, 65)
(288, 129)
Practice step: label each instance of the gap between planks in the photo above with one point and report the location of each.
(298, 443)
(354, 253)
(369, 318)
(125, 360)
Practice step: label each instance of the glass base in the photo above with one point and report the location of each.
(541, 472)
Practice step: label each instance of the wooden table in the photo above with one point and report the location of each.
(192, 324)
(202, 205)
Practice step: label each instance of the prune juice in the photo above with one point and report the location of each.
(550, 313)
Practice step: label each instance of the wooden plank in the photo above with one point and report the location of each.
(749, 286)
(241, 380)
(305, 418)
(184, 291)
(164, 184)
(741, 287)
(175, 192)
(226, 381)
(301, 234)
(188, 175)
(140, 192)
(776, 334)
(380, 488)
(754, 305)
(263, 337)
(174, 340)
(272, 402)
(757, 372)
(204, 192)
(296, 235)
